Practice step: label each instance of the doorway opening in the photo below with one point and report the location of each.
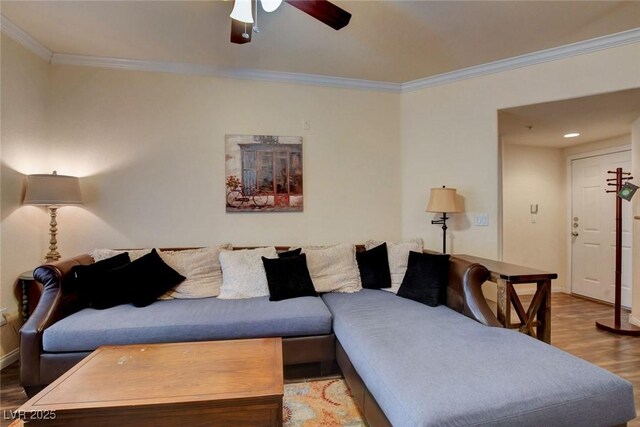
(537, 163)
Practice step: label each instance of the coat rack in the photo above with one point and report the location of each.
(618, 325)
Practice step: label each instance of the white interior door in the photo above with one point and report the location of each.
(593, 226)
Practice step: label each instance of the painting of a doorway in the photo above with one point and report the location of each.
(263, 173)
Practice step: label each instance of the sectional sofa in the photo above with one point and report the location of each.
(406, 363)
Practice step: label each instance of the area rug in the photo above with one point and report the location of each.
(320, 403)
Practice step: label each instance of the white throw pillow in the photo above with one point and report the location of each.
(201, 268)
(398, 254)
(333, 268)
(243, 274)
(102, 254)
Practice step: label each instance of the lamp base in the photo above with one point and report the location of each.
(443, 220)
(53, 254)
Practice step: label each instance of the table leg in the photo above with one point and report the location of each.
(504, 302)
(544, 312)
(25, 300)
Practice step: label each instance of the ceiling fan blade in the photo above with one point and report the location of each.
(238, 29)
(323, 11)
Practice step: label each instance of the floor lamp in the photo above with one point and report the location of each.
(52, 191)
(443, 200)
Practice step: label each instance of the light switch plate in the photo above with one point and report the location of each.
(482, 219)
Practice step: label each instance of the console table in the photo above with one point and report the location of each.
(538, 314)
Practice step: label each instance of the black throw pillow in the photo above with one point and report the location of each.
(288, 278)
(426, 279)
(84, 278)
(291, 253)
(374, 267)
(145, 279)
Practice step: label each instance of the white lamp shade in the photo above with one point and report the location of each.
(242, 11)
(443, 200)
(270, 5)
(52, 190)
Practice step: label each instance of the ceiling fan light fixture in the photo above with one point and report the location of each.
(242, 11)
(270, 5)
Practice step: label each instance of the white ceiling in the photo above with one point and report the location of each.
(388, 41)
(595, 117)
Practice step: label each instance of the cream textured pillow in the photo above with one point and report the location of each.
(243, 274)
(334, 268)
(201, 268)
(398, 254)
(102, 254)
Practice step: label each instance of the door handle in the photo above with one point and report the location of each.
(574, 233)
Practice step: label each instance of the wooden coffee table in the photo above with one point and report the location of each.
(226, 383)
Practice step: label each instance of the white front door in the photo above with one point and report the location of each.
(593, 226)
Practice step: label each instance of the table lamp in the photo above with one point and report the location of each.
(52, 191)
(443, 200)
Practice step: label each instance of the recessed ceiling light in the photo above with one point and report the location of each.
(571, 135)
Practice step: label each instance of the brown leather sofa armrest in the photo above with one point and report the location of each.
(464, 292)
(49, 310)
(476, 306)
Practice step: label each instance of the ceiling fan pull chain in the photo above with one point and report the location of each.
(245, 35)
(255, 25)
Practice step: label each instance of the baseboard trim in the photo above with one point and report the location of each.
(634, 321)
(9, 358)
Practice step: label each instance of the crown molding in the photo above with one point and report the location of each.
(547, 55)
(19, 35)
(233, 73)
(315, 80)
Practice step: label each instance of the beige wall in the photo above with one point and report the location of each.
(24, 148)
(535, 175)
(635, 165)
(450, 136)
(150, 150)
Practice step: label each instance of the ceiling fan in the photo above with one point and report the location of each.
(242, 19)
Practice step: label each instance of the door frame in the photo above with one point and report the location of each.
(569, 200)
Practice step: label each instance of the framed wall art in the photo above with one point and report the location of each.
(263, 173)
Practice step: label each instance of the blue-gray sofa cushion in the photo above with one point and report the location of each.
(430, 366)
(182, 320)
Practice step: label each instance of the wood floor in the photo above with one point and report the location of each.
(572, 329)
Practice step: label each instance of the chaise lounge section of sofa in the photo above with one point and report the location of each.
(429, 366)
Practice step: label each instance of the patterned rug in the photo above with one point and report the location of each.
(320, 403)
